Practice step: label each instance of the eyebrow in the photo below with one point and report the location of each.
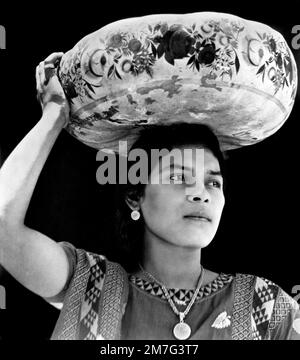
(184, 168)
(215, 173)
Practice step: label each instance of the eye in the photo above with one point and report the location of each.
(215, 183)
(177, 177)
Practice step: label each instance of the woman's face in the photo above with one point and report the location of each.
(183, 206)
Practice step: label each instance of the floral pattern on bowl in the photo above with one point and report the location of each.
(122, 74)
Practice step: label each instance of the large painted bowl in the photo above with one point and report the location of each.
(237, 76)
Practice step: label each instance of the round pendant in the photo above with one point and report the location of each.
(182, 331)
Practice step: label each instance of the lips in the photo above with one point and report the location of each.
(198, 216)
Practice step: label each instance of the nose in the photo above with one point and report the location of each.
(199, 194)
(197, 198)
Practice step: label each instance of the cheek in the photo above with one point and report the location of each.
(157, 205)
(220, 203)
(152, 203)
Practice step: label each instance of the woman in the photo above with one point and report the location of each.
(165, 293)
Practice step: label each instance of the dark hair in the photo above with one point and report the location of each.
(127, 246)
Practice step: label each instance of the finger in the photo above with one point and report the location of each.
(38, 85)
(38, 79)
(42, 73)
(52, 58)
(49, 73)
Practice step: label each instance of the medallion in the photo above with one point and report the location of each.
(182, 331)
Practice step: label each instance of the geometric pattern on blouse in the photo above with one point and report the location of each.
(241, 313)
(112, 307)
(89, 316)
(182, 296)
(259, 304)
(264, 296)
(283, 306)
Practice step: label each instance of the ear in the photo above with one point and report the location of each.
(133, 201)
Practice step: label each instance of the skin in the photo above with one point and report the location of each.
(173, 243)
(38, 262)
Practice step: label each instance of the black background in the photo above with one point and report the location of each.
(259, 229)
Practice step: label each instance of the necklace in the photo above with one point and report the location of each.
(181, 330)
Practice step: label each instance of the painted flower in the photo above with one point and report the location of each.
(69, 88)
(227, 29)
(134, 45)
(234, 43)
(181, 43)
(164, 28)
(116, 41)
(97, 62)
(236, 27)
(215, 25)
(126, 65)
(289, 68)
(143, 61)
(272, 45)
(207, 54)
(175, 44)
(279, 60)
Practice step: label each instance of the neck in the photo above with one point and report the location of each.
(174, 266)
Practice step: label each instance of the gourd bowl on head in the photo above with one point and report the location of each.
(237, 76)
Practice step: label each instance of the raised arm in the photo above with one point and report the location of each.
(32, 258)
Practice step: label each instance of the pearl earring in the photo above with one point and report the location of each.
(135, 215)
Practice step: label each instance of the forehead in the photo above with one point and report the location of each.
(189, 156)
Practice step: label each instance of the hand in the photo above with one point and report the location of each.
(49, 90)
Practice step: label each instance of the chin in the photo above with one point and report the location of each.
(200, 243)
(190, 238)
(201, 240)
(204, 244)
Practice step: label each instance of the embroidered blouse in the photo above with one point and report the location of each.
(102, 301)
